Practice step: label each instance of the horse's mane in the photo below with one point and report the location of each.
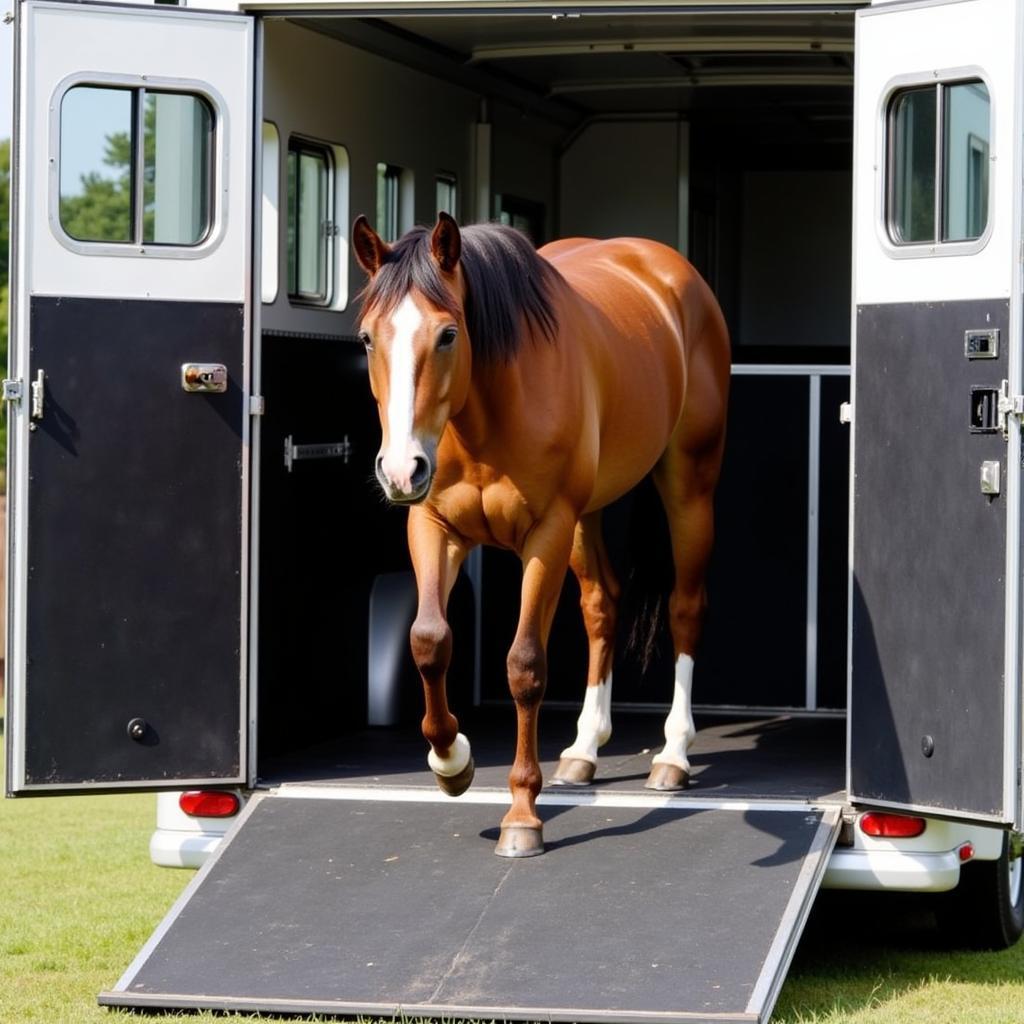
(507, 283)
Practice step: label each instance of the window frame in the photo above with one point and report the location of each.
(300, 144)
(885, 161)
(450, 180)
(216, 167)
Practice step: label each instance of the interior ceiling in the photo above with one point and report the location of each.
(771, 70)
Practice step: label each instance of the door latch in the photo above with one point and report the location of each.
(204, 378)
(38, 395)
(991, 409)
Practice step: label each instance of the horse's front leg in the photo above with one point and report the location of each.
(545, 560)
(436, 557)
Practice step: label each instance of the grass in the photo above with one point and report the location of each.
(81, 897)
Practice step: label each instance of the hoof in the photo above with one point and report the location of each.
(519, 841)
(667, 778)
(573, 771)
(456, 785)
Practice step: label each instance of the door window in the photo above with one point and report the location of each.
(938, 162)
(445, 187)
(310, 223)
(135, 166)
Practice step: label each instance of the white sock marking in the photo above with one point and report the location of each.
(455, 762)
(594, 726)
(679, 728)
(402, 385)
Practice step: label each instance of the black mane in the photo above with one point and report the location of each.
(507, 283)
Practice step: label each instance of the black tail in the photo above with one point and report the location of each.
(643, 635)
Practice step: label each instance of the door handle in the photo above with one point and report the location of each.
(38, 395)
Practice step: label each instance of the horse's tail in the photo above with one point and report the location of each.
(643, 607)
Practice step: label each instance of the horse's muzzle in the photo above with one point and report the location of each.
(420, 479)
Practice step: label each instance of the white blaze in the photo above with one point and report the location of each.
(405, 321)
(679, 728)
(594, 726)
(457, 759)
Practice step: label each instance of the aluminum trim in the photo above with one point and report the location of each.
(790, 370)
(813, 528)
(250, 687)
(925, 810)
(430, 794)
(1013, 728)
(780, 954)
(17, 412)
(409, 1010)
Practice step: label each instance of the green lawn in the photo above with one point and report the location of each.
(80, 898)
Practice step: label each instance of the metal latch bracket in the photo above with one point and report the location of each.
(12, 390)
(332, 450)
(1009, 405)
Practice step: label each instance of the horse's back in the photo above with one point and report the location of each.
(657, 344)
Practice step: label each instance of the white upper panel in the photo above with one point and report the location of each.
(927, 42)
(163, 48)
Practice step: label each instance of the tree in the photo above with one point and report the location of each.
(5, 209)
(102, 212)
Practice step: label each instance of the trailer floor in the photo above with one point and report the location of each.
(776, 757)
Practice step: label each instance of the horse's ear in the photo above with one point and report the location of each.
(446, 242)
(370, 249)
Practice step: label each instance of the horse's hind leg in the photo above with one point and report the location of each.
(599, 594)
(686, 480)
(436, 558)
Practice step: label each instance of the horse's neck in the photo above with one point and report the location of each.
(495, 397)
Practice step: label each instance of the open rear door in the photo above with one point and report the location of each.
(128, 397)
(935, 689)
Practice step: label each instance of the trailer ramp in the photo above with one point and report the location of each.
(355, 900)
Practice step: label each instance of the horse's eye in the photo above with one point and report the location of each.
(366, 340)
(447, 338)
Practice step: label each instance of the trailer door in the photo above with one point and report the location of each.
(128, 397)
(935, 652)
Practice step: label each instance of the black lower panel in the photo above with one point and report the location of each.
(134, 544)
(757, 579)
(929, 563)
(379, 908)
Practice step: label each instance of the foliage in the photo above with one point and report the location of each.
(5, 211)
(5, 206)
(102, 211)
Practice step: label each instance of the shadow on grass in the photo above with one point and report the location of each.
(861, 950)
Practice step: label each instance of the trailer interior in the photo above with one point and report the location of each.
(727, 137)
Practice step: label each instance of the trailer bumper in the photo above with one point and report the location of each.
(889, 869)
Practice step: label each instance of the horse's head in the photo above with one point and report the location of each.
(418, 353)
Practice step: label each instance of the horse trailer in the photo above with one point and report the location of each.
(207, 594)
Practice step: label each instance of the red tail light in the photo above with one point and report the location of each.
(208, 803)
(891, 826)
(966, 852)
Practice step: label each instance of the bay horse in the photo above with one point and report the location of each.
(519, 393)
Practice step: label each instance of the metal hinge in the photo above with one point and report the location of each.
(1009, 405)
(12, 390)
(257, 405)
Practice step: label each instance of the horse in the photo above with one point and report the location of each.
(520, 391)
